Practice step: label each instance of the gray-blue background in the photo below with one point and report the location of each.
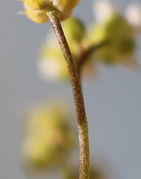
(113, 102)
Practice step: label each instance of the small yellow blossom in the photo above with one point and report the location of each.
(49, 136)
(120, 36)
(74, 29)
(36, 10)
(38, 17)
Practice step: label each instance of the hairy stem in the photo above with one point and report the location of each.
(78, 96)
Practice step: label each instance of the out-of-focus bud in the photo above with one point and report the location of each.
(97, 33)
(49, 136)
(130, 63)
(103, 10)
(63, 8)
(133, 15)
(52, 65)
(36, 153)
(120, 37)
(74, 29)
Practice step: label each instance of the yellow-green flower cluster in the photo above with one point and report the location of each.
(49, 136)
(118, 30)
(119, 35)
(118, 49)
(36, 10)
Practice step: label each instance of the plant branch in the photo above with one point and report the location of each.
(78, 96)
(86, 53)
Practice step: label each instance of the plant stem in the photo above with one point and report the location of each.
(86, 53)
(78, 96)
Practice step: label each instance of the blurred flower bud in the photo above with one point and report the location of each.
(52, 65)
(36, 153)
(133, 15)
(103, 10)
(74, 30)
(130, 63)
(49, 136)
(120, 37)
(97, 33)
(63, 8)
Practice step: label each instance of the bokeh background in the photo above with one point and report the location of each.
(113, 101)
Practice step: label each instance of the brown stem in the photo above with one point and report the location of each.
(78, 96)
(86, 53)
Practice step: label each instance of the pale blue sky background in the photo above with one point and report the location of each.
(113, 102)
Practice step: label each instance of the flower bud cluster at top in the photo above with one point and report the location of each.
(36, 10)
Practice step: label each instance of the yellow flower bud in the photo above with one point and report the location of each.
(120, 36)
(65, 5)
(60, 5)
(38, 17)
(35, 150)
(63, 8)
(52, 65)
(74, 29)
(49, 136)
(65, 15)
(37, 4)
